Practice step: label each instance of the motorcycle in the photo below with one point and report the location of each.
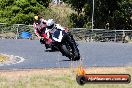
(63, 41)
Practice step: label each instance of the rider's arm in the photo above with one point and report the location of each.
(44, 21)
(36, 31)
(66, 29)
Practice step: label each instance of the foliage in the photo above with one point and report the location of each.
(83, 9)
(60, 14)
(118, 13)
(19, 11)
(77, 5)
(23, 11)
(77, 21)
(45, 3)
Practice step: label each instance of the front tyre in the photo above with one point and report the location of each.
(76, 54)
(70, 49)
(65, 51)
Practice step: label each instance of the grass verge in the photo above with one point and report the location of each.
(57, 78)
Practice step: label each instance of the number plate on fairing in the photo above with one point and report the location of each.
(58, 35)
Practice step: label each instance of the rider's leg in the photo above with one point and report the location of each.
(48, 41)
(43, 41)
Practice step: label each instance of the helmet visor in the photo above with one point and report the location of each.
(50, 27)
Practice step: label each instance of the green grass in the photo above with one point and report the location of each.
(53, 82)
(53, 79)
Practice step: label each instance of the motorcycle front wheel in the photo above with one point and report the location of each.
(71, 50)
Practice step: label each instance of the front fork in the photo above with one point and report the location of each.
(70, 43)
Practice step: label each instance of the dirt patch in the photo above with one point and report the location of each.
(3, 58)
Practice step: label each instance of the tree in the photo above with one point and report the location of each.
(20, 11)
(45, 3)
(122, 17)
(83, 9)
(77, 5)
(116, 12)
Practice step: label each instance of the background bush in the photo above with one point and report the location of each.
(118, 13)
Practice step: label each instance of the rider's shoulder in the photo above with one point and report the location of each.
(58, 26)
(43, 20)
(35, 23)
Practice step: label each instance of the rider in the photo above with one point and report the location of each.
(52, 26)
(41, 30)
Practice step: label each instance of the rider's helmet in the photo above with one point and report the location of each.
(50, 24)
(36, 19)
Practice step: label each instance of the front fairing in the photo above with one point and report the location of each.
(57, 36)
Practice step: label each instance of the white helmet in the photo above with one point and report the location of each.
(50, 24)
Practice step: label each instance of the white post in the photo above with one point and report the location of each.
(92, 20)
(115, 36)
(2, 33)
(93, 16)
(17, 34)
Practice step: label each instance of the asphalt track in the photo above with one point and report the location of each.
(92, 54)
